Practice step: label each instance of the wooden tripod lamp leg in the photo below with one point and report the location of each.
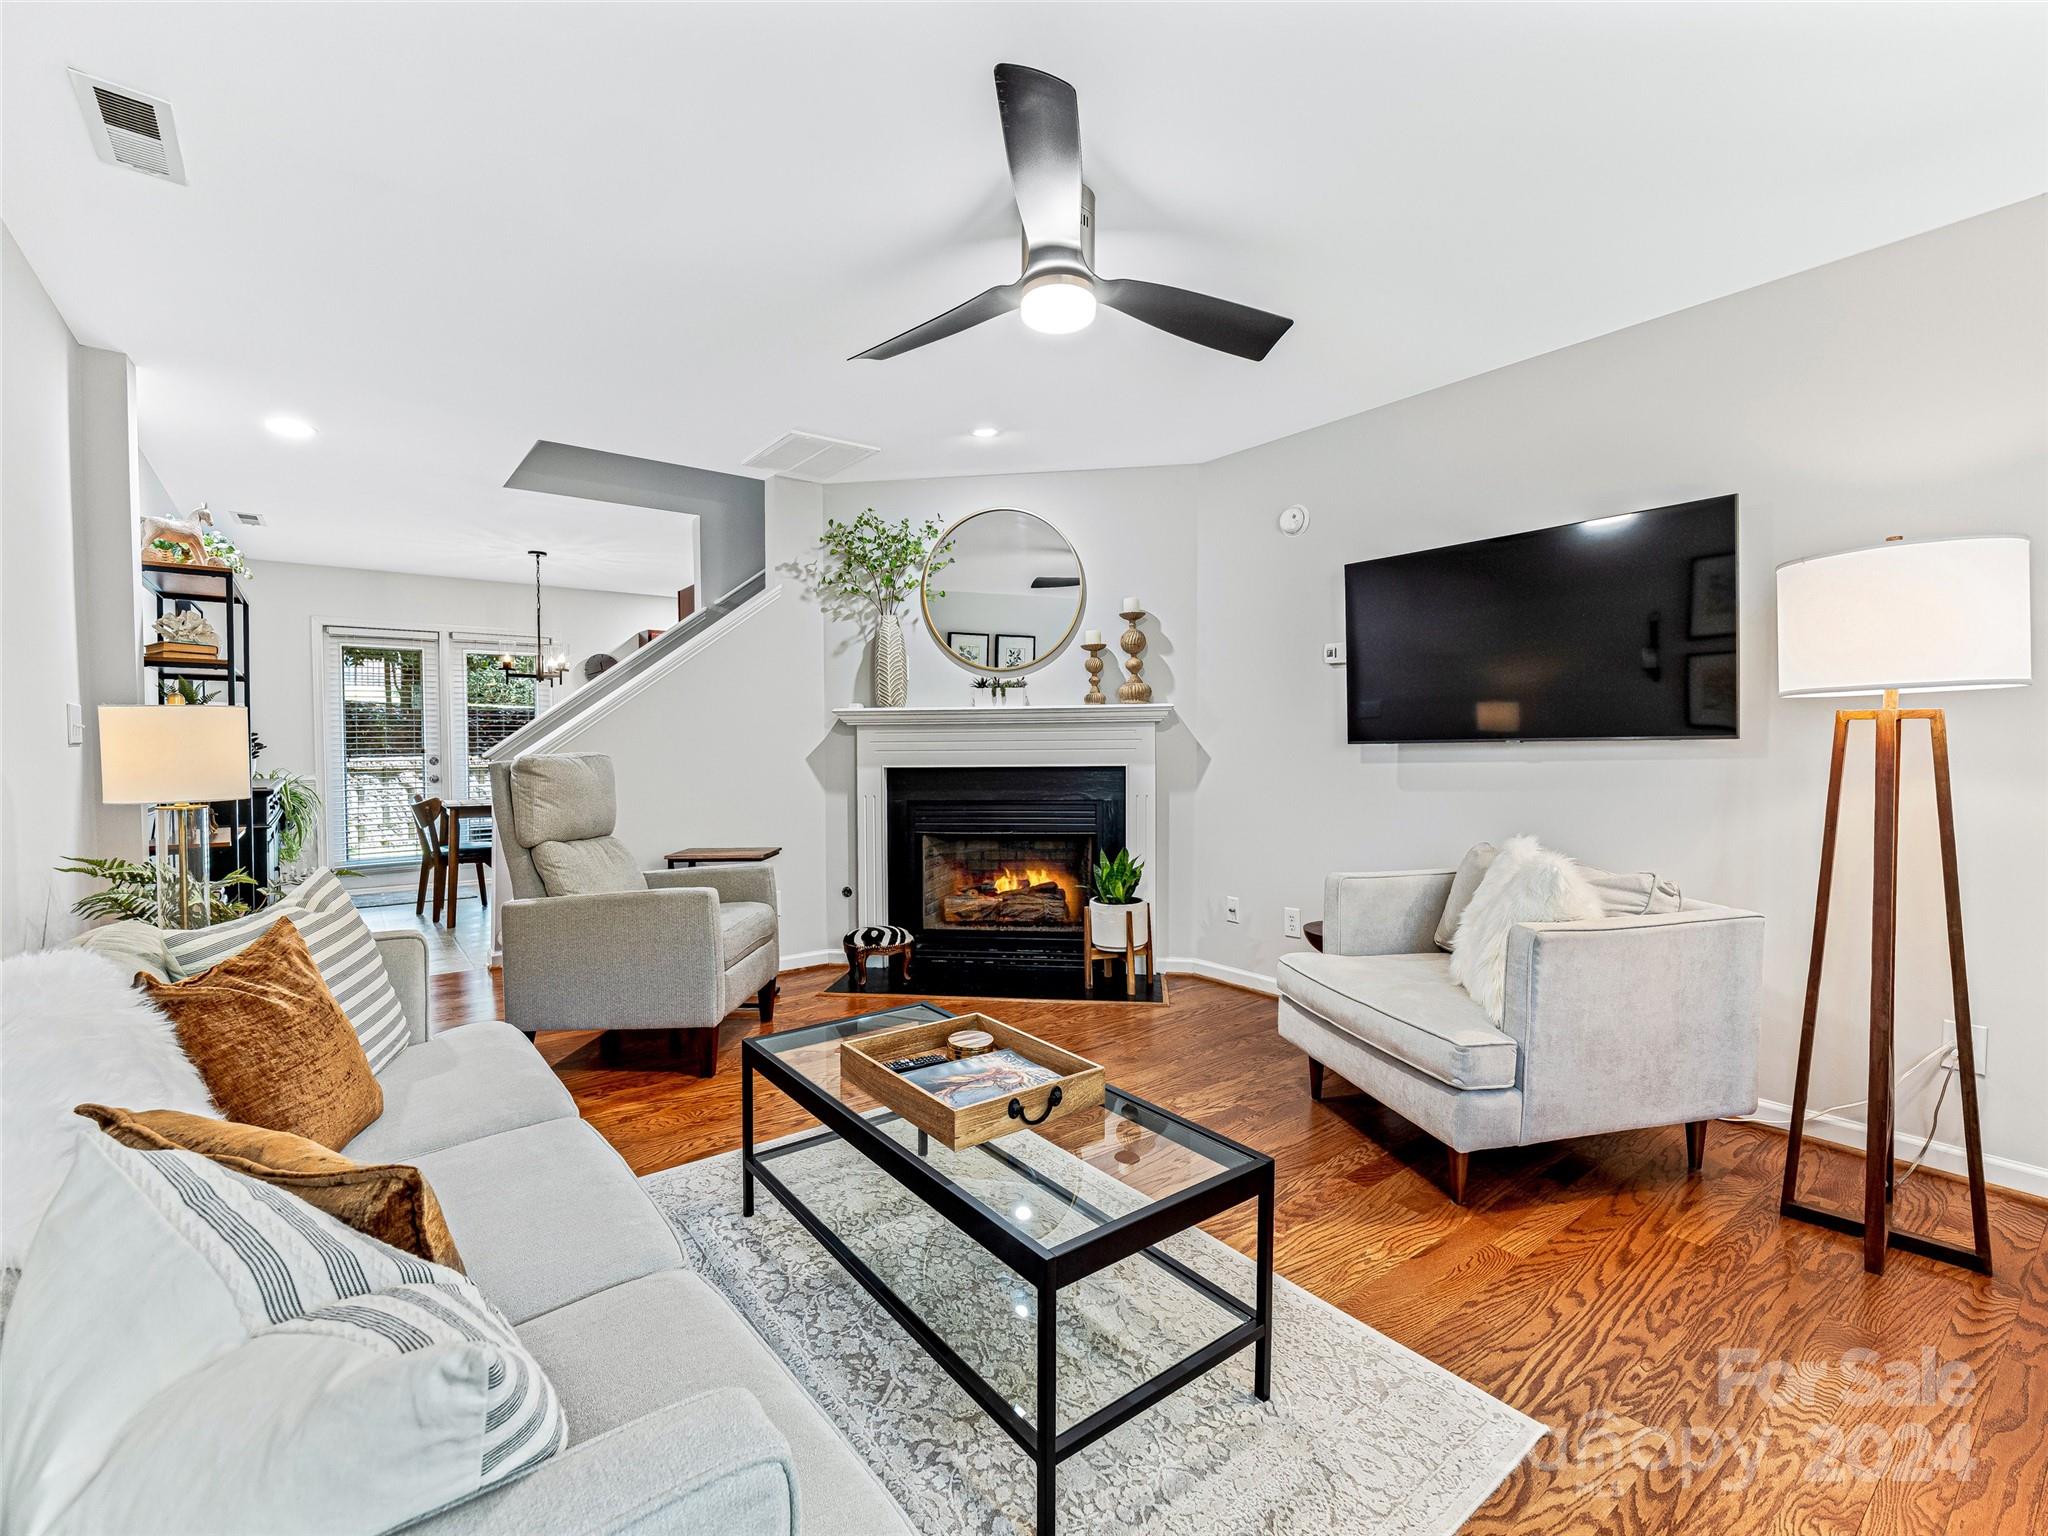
(1884, 953)
(1796, 1135)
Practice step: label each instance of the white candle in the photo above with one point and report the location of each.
(1092, 637)
(1132, 605)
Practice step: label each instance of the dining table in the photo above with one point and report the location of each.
(457, 812)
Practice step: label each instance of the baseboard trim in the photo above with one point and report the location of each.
(1943, 1156)
(1229, 975)
(809, 959)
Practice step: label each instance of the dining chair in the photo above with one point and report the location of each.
(434, 826)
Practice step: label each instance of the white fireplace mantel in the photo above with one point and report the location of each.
(1000, 736)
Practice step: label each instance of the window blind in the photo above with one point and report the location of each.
(383, 730)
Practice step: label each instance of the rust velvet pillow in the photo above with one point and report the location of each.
(271, 1043)
(391, 1202)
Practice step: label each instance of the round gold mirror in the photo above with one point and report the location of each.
(1002, 592)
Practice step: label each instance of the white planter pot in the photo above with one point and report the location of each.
(1106, 923)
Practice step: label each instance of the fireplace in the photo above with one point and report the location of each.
(989, 867)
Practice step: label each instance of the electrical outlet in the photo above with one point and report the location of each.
(1333, 653)
(1230, 909)
(1290, 921)
(1980, 1048)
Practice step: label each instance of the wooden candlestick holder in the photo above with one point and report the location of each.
(1094, 695)
(1136, 690)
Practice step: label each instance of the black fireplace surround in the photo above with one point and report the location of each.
(1034, 806)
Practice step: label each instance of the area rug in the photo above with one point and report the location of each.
(1361, 1434)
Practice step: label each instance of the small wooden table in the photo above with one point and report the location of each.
(689, 857)
(1313, 932)
(457, 812)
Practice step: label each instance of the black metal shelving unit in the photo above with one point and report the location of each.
(251, 837)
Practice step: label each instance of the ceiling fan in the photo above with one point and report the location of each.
(1059, 289)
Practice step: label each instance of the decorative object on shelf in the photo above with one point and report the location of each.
(184, 635)
(1092, 644)
(892, 676)
(1899, 618)
(874, 567)
(1119, 924)
(998, 689)
(298, 806)
(970, 1042)
(177, 760)
(548, 667)
(181, 691)
(174, 541)
(1014, 593)
(1135, 689)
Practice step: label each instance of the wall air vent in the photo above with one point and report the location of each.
(249, 519)
(806, 456)
(130, 128)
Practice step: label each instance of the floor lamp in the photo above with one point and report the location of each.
(1930, 617)
(176, 759)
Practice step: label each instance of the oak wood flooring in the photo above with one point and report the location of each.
(1591, 1284)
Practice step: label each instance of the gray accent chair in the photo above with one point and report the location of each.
(1612, 1024)
(592, 942)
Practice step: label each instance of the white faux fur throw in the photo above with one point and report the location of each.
(1527, 883)
(73, 1030)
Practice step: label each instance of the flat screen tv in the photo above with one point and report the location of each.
(1619, 627)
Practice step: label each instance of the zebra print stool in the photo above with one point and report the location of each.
(877, 939)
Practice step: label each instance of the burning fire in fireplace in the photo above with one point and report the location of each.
(984, 882)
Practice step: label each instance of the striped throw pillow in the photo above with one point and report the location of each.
(352, 1386)
(341, 945)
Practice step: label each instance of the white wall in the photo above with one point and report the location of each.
(736, 746)
(288, 603)
(1134, 530)
(46, 794)
(1901, 391)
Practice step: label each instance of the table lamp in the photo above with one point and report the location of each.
(1926, 617)
(176, 760)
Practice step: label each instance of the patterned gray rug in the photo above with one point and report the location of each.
(1361, 1434)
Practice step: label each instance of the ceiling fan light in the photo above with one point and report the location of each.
(1058, 303)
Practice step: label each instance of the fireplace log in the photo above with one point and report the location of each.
(1040, 904)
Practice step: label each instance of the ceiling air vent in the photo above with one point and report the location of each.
(130, 128)
(806, 456)
(249, 519)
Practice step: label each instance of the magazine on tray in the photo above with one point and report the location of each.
(977, 1079)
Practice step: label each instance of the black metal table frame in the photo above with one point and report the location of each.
(1048, 1269)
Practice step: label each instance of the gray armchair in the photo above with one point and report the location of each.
(1612, 1024)
(592, 942)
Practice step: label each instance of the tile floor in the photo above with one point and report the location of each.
(465, 947)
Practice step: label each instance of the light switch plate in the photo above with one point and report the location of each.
(74, 726)
(1230, 909)
(1333, 653)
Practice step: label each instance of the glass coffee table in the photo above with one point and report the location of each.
(1030, 1263)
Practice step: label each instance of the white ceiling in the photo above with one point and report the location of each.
(443, 232)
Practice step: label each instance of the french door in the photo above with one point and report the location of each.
(410, 715)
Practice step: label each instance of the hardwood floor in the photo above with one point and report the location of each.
(1695, 1356)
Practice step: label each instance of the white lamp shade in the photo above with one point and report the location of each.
(1921, 618)
(153, 754)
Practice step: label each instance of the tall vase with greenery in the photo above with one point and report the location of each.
(875, 567)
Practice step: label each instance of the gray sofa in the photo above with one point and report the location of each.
(1611, 1024)
(680, 1419)
(589, 936)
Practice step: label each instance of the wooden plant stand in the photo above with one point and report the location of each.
(1092, 953)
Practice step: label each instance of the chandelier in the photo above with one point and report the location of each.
(548, 669)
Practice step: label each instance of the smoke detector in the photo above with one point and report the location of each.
(130, 127)
(807, 456)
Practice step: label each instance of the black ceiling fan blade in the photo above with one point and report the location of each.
(983, 306)
(1235, 328)
(1042, 136)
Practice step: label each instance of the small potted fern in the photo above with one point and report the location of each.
(1115, 899)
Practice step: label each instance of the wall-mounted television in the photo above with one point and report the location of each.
(1618, 627)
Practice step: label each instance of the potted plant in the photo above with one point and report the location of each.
(875, 566)
(1115, 898)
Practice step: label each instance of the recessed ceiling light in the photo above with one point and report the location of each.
(986, 431)
(296, 428)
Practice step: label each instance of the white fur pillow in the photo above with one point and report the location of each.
(73, 1030)
(1526, 883)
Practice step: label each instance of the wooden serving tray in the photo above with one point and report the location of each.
(862, 1058)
